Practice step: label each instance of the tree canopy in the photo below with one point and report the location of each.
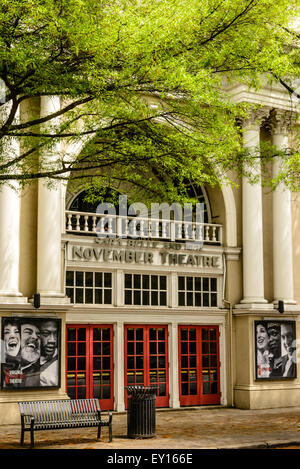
(141, 81)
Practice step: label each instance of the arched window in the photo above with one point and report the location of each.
(81, 204)
(199, 193)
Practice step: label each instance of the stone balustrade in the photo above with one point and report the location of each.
(127, 226)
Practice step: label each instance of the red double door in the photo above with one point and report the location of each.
(89, 363)
(199, 370)
(146, 359)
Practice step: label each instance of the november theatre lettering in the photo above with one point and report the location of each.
(104, 254)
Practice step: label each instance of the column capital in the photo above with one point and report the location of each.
(280, 121)
(255, 118)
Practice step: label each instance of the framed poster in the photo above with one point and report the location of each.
(275, 349)
(30, 352)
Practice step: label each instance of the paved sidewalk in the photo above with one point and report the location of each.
(195, 428)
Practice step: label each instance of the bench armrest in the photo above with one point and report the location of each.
(32, 419)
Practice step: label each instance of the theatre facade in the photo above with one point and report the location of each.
(208, 311)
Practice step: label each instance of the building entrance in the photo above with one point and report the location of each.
(199, 366)
(146, 359)
(90, 363)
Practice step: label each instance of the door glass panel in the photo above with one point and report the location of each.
(162, 389)
(139, 348)
(96, 379)
(81, 334)
(139, 362)
(71, 334)
(81, 393)
(161, 347)
(106, 334)
(81, 379)
(205, 347)
(96, 392)
(184, 362)
(192, 347)
(140, 378)
(71, 348)
(193, 361)
(97, 348)
(205, 388)
(81, 363)
(161, 362)
(96, 363)
(184, 347)
(153, 347)
(130, 334)
(213, 347)
(184, 334)
(71, 364)
(96, 333)
(130, 363)
(153, 362)
(184, 389)
(106, 392)
(105, 363)
(81, 348)
(130, 348)
(214, 388)
(105, 348)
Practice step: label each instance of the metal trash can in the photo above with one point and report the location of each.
(141, 411)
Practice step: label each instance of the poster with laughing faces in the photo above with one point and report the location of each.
(30, 352)
(275, 349)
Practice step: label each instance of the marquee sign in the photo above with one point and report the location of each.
(143, 252)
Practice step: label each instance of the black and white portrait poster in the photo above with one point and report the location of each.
(275, 349)
(30, 352)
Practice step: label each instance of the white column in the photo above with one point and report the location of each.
(49, 263)
(282, 218)
(173, 369)
(10, 230)
(253, 270)
(119, 389)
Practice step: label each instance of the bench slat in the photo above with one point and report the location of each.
(62, 413)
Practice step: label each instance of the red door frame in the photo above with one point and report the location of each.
(147, 355)
(194, 365)
(89, 371)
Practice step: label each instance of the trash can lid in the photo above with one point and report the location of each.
(140, 389)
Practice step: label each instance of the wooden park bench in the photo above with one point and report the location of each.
(62, 413)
